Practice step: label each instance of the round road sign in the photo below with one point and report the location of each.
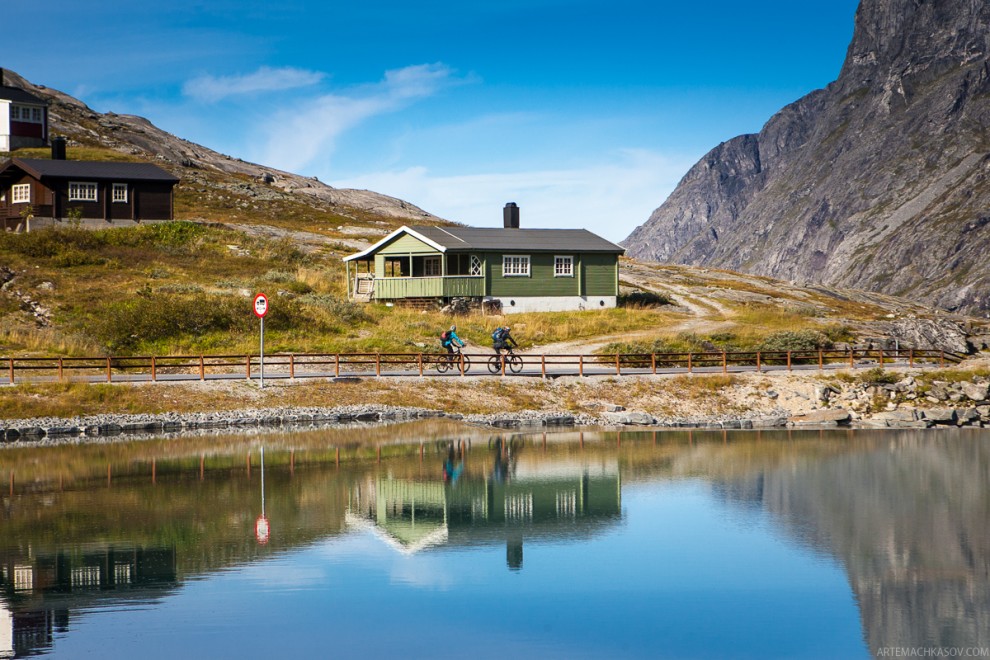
(260, 305)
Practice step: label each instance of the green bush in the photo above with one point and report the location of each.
(796, 340)
(643, 299)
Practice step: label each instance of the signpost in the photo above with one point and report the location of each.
(260, 309)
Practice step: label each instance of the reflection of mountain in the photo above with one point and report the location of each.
(563, 500)
(39, 591)
(910, 519)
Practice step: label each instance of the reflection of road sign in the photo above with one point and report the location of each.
(261, 530)
(260, 305)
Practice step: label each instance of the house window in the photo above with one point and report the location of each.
(563, 266)
(82, 192)
(36, 115)
(15, 113)
(120, 192)
(431, 266)
(475, 265)
(21, 193)
(515, 265)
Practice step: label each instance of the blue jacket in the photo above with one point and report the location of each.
(452, 338)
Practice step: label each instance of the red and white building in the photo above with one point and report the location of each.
(23, 119)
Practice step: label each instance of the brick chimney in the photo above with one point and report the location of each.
(510, 216)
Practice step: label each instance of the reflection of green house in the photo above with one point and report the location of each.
(522, 269)
(415, 515)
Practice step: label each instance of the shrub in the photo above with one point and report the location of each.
(796, 340)
(643, 299)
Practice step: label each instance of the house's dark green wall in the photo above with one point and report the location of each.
(595, 275)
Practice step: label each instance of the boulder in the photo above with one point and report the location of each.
(976, 391)
(939, 415)
(630, 418)
(838, 415)
(896, 416)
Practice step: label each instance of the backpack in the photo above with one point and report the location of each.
(445, 336)
(498, 334)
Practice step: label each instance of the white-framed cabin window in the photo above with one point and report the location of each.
(563, 266)
(82, 191)
(21, 193)
(431, 267)
(476, 265)
(120, 192)
(515, 265)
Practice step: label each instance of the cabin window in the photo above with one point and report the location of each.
(563, 266)
(21, 193)
(82, 192)
(475, 265)
(120, 192)
(515, 265)
(15, 113)
(431, 267)
(36, 115)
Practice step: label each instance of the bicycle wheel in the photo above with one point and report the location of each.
(494, 364)
(515, 364)
(443, 363)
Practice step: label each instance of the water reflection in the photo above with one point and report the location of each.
(503, 505)
(905, 513)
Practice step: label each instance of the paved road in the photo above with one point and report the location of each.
(532, 368)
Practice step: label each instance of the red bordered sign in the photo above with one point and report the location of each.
(260, 305)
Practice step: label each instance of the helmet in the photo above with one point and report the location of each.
(453, 328)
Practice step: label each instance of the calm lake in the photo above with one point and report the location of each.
(440, 540)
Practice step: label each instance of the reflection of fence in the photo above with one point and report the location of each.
(322, 365)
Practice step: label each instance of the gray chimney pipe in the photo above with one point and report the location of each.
(510, 216)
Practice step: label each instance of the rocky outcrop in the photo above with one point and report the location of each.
(192, 162)
(881, 181)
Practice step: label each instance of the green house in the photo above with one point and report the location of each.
(522, 270)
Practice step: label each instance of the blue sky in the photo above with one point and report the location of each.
(585, 113)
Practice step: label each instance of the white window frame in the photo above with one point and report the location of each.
(119, 188)
(515, 265)
(476, 266)
(83, 191)
(559, 262)
(20, 193)
(432, 266)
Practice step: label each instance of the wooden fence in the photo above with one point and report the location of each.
(322, 365)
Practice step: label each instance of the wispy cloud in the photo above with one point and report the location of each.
(610, 198)
(296, 136)
(210, 89)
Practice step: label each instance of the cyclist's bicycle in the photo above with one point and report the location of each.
(447, 361)
(513, 362)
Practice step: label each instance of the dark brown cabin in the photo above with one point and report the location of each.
(51, 190)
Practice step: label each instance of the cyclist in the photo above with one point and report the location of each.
(449, 339)
(501, 339)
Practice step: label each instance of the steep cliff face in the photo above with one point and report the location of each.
(881, 181)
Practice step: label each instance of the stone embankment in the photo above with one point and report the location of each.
(901, 401)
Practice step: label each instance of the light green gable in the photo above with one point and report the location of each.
(407, 244)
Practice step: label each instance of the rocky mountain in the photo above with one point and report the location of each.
(193, 163)
(880, 181)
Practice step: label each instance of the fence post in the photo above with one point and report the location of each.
(911, 358)
(653, 363)
(292, 366)
(109, 377)
(880, 351)
(248, 366)
(60, 370)
(788, 360)
(580, 368)
(460, 359)
(202, 367)
(941, 359)
(689, 363)
(336, 364)
(378, 364)
(543, 365)
(852, 357)
(154, 369)
(758, 365)
(821, 360)
(11, 371)
(725, 363)
(419, 361)
(618, 369)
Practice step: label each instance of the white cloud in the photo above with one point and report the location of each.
(210, 89)
(610, 198)
(296, 136)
